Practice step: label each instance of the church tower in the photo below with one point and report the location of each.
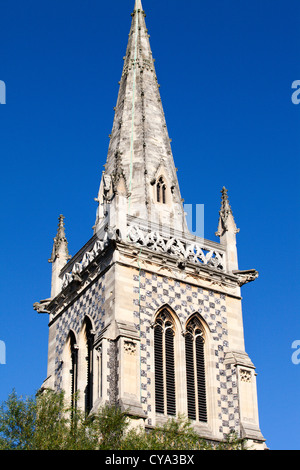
(147, 315)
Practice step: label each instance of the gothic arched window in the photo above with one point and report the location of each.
(161, 191)
(164, 331)
(74, 368)
(195, 371)
(89, 342)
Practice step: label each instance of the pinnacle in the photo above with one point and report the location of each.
(60, 242)
(225, 214)
(225, 206)
(61, 227)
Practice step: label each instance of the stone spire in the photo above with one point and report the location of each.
(227, 231)
(139, 153)
(59, 257)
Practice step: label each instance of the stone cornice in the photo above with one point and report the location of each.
(166, 265)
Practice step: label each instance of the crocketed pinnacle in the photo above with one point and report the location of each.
(226, 219)
(60, 245)
(225, 206)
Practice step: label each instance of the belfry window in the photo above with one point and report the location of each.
(99, 371)
(74, 368)
(161, 191)
(164, 331)
(195, 371)
(89, 341)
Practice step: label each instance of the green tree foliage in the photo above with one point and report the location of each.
(44, 422)
(17, 421)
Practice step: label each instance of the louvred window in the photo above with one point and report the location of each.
(165, 396)
(195, 371)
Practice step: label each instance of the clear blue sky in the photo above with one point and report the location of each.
(225, 69)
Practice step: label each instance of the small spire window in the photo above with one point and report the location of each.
(161, 191)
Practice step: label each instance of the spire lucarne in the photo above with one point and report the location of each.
(139, 152)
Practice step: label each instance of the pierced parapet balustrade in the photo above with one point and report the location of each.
(87, 258)
(184, 250)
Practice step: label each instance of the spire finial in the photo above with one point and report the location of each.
(138, 5)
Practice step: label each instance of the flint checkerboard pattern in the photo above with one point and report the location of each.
(89, 303)
(152, 292)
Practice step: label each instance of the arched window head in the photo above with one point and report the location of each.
(194, 327)
(164, 332)
(195, 370)
(161, 191)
